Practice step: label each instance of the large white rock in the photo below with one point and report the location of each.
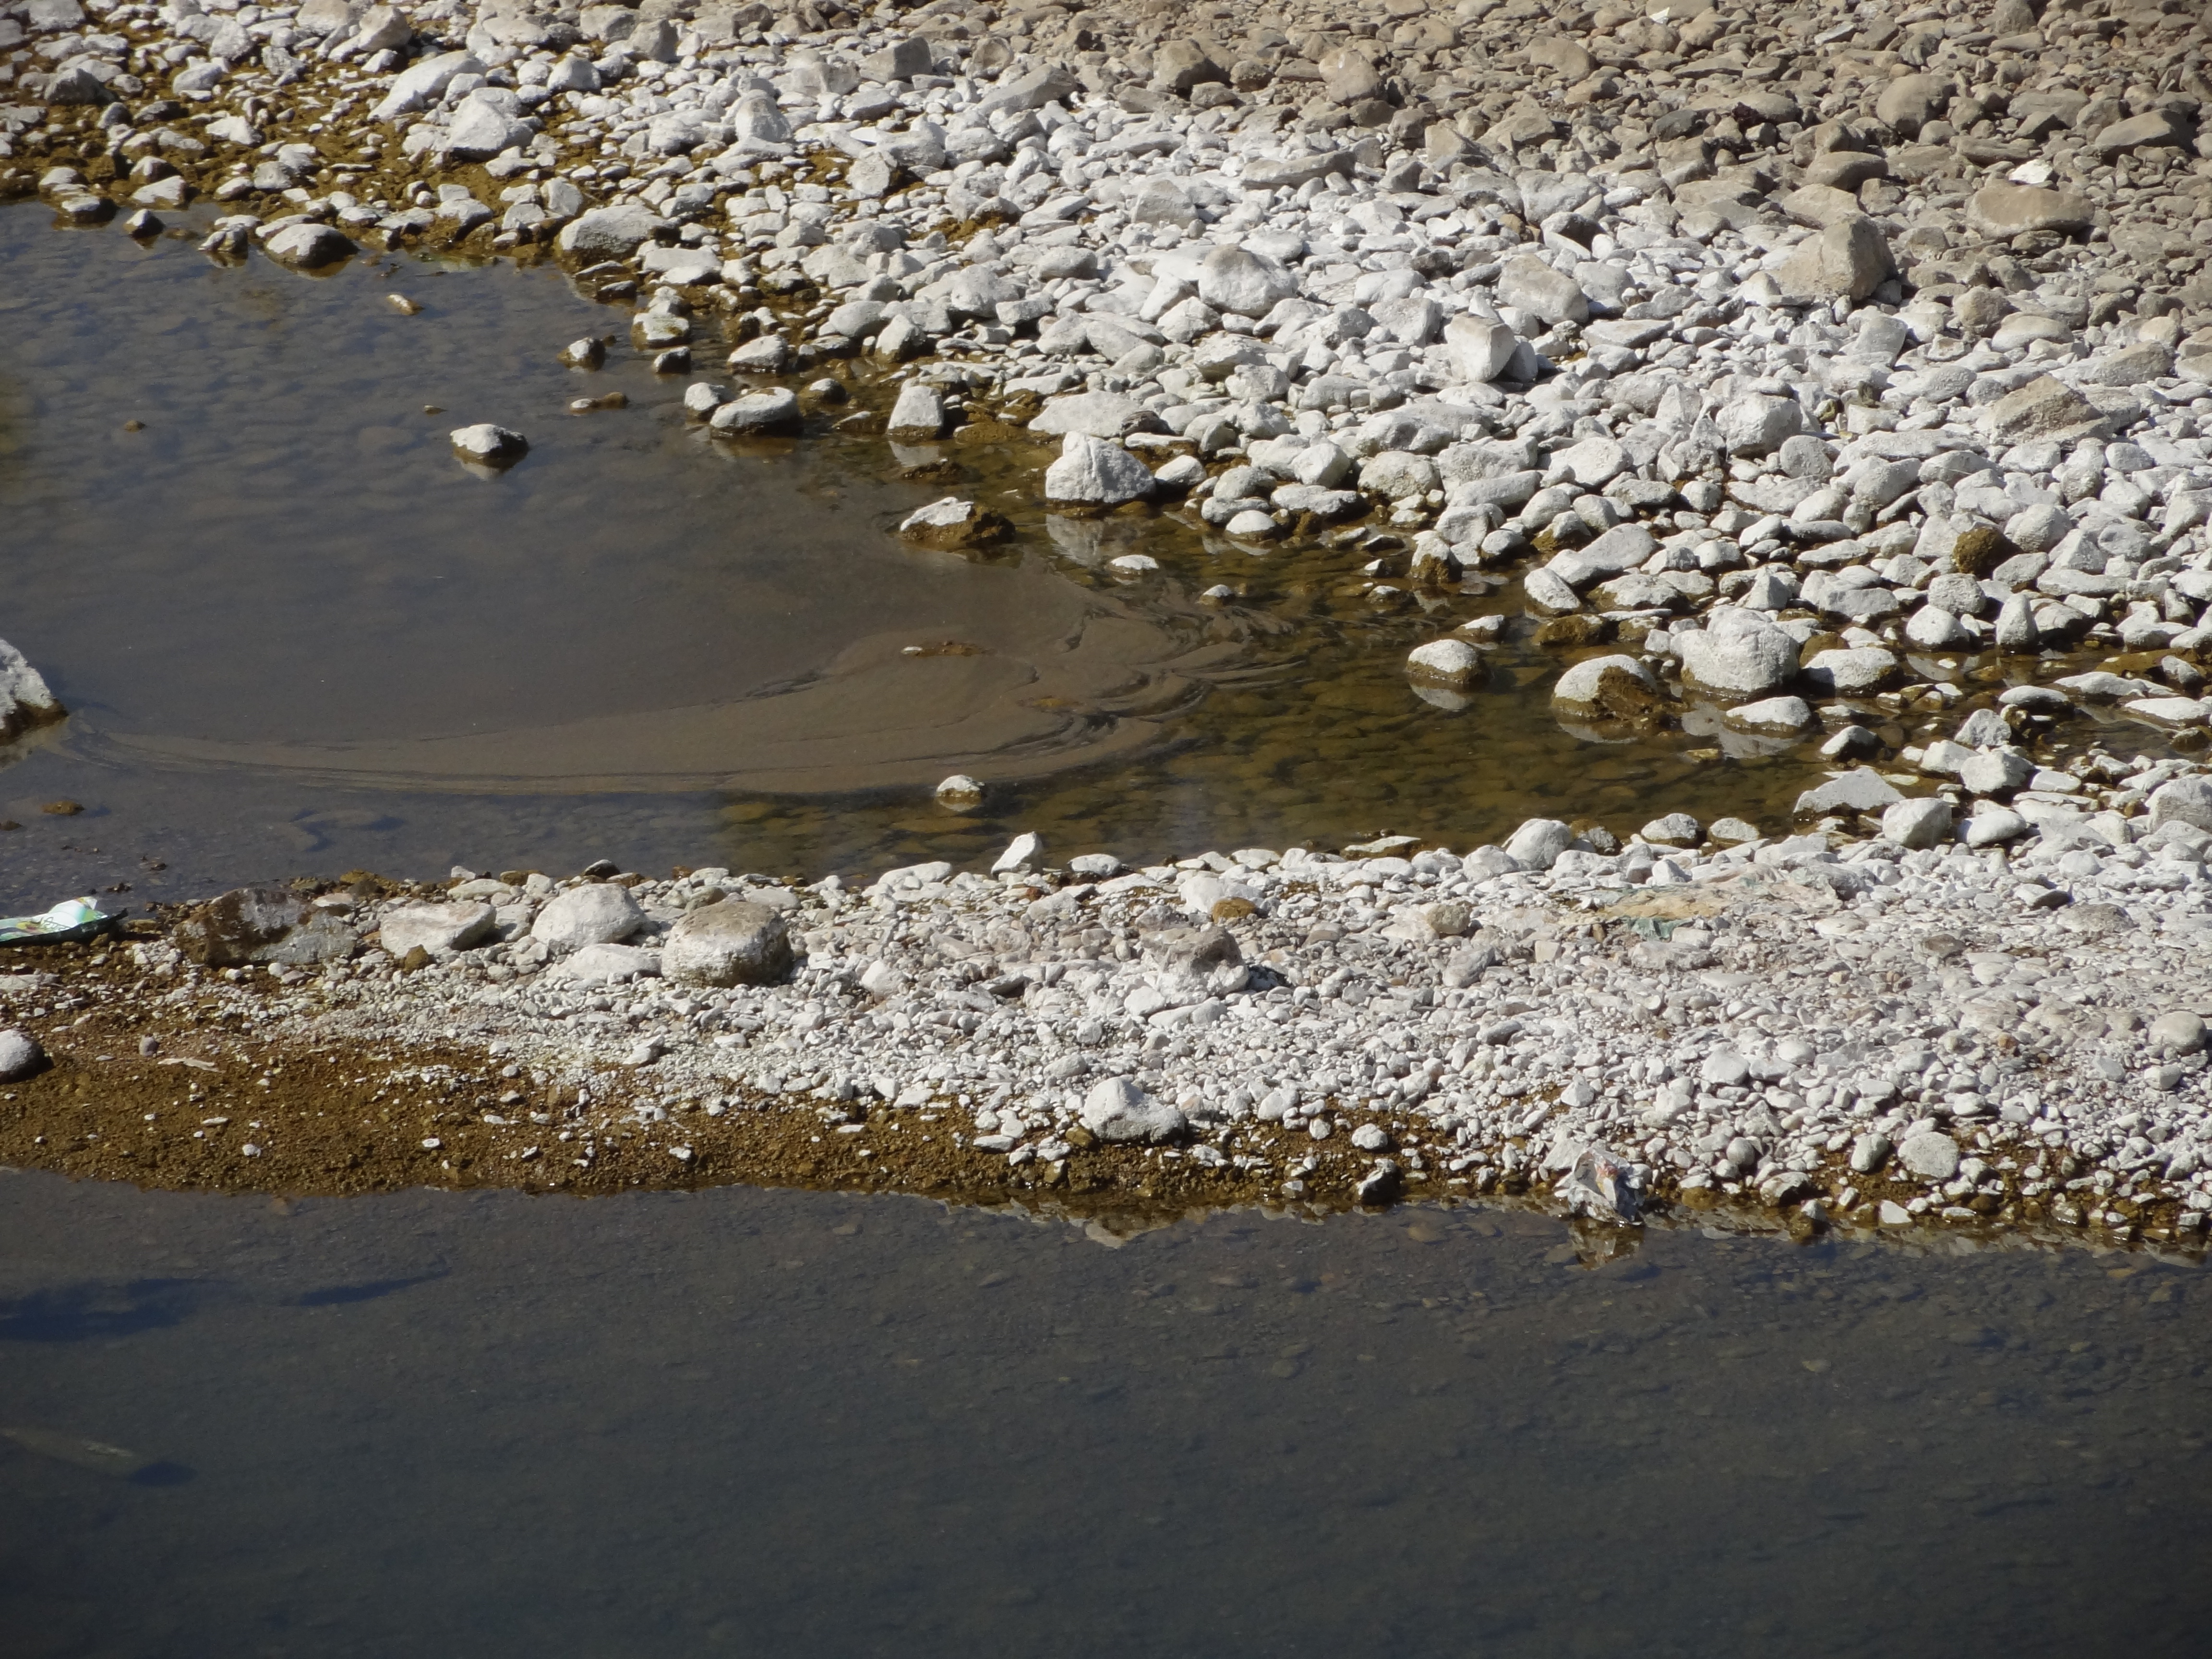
(1480, 347)
(918, 416)
(1737, 653)
(1757, 423)
(307, 246)
(1915, 823)
(488, 444)
(1454, 663)
(1930, 1155)
(20, 1056)
(1092, 472)
(599, 913)
(480, 130)
(2185, 800)
(1236, 279)
(1537, 844)
(1101, 413)
(1118, 1111)
(608, 233)
(757, 116)
(1533, 287)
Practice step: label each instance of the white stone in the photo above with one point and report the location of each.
(598, 912)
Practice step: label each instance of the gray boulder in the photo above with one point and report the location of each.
(1860, 790)
(1537, 844)
(25, 701)
(2185, 800)
(1915, 823)
(1236, 279)
(1931, 1155)
(20, 1056)
(265, 923)
(307, 246)
(1533, 286)
(732, 942)
(1101, 413)
(758, 414)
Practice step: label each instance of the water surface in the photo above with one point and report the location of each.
(299, 636)
(751, 1422)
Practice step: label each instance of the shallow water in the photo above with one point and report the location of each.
(752, 1421)
(299, 636)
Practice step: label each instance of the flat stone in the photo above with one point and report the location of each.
(1100, 414)
(2001, 212)
(955, 523)
(1860, 790)
(608, 233)
(439, 929)
(1770, 716)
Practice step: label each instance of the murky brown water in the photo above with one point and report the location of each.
(299, 637)
(753, 1422)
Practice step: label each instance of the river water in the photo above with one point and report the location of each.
(299, 637)
(750, 1422)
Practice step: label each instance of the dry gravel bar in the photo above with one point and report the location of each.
(1856, 1035)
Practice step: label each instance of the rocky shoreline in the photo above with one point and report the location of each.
(1824, 367)
(1783, 1030)
(1834, 377)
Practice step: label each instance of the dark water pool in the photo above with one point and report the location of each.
(299, 637)
(756, 1422)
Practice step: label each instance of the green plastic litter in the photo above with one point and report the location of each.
(1652, 927)
(72, 918)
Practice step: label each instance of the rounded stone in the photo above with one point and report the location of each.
(732, 942)
(1605, 683)
(2181, 1032)
(488, 444)
(960, 794)
(600, 914)
(1454, 663)
(20, 1056)
(1930, 1155)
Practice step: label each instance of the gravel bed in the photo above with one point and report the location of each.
(1859, 1034)
(1830, 376)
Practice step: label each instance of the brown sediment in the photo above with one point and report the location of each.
(238, 1064)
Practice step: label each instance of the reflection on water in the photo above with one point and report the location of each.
(299, 636)
(758, 1422)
